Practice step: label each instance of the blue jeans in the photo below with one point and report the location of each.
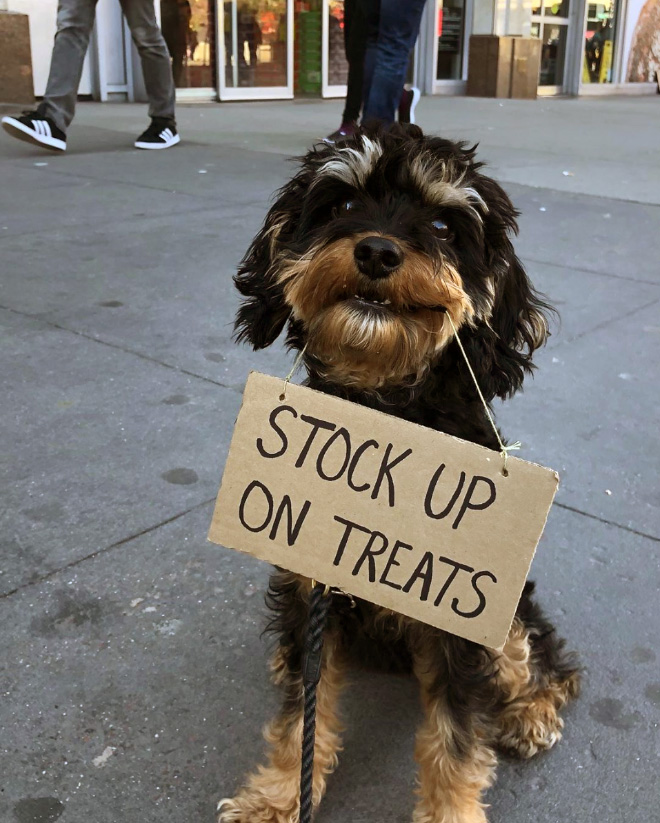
(386, 60)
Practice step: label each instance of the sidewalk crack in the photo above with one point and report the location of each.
(104, 550)
(582, 270)
(609, 321)
(124, 349)
(607, 522)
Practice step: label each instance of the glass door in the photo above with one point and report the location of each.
(334, 63)
(189, 30)
(451, 19)
(256, 49)
(550, 22)
(451, 25)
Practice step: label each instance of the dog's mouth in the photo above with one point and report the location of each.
(378, 305)
(365, 303)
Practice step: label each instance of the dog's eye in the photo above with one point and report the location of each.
(441, 229)
(345, 206)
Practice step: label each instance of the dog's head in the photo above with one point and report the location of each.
(369, 248)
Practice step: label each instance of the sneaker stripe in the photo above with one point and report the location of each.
(47, 130)
(36, 125)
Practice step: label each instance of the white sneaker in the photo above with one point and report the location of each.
(34, 127)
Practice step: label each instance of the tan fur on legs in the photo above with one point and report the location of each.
(530, 720)
(271, 794)
(451, 783)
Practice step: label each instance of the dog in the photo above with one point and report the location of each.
(362, 257)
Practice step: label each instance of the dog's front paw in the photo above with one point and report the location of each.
(253, 807)
(536, 728)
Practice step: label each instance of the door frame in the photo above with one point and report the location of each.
(327, 90)
(228, 93)
(618, 69)
(427, 64)
(574, 48)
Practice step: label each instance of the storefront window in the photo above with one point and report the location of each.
(450, 39)
(189, 30)
(556, 9)
(255, 35)
(599, 42)
(337, 64)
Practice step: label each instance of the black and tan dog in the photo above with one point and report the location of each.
(363, 255)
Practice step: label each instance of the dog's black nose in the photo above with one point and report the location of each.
(377, 257)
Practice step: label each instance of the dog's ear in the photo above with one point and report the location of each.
(263, 312)
(502, 345)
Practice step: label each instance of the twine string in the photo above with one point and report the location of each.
(296, 363)
(504, 450)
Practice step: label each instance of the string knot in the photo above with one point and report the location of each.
(296, 363)
(505, 453)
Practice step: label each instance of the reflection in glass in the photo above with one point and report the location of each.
(337, 63)
(450, 39)
(553, 55)
(255, 38)
(599, 42)
(537, 6)
(556, 8)
(188, 27)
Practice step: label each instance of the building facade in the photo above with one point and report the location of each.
(270, 49)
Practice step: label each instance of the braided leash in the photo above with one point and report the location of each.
(319, 604)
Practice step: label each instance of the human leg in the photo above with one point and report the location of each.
(356, 44)
(155, 58)
(398, 29)
(75, 19)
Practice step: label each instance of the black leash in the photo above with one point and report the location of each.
(319, 603)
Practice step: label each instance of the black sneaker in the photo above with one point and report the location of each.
(35, 127)
(161, 134)
(409, 99)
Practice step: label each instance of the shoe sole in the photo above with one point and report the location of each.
(176, 139)
(22, 132)
(416, 97)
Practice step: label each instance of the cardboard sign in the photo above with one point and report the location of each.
(392, 512)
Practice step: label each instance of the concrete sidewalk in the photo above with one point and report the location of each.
(132, 672)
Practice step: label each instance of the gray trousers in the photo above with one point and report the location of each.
(75, 19)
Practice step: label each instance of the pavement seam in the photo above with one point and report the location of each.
(605, 323)
(500, 176)
(149, 529)
(648, 203)
(102, 342)
(208, 209)
(607, 522)
(105, 549)
(568, 267)
(131, 184)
